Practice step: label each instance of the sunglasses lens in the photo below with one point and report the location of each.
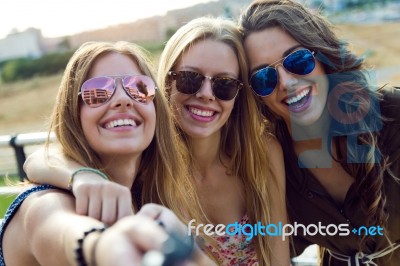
(97, 91)
(225, 89)
(301, 62)
(263, 82)
(188, 82)
(141, 88)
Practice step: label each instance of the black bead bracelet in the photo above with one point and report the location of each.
(79, 255)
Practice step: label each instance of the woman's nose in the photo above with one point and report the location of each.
(286, 79)
(121, 97)
(205, 93)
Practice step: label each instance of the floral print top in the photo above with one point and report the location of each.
(232, 250)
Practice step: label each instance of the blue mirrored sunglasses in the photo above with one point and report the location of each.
(300, 62)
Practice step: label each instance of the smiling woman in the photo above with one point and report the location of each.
(238, 169)
(283, 59)
(336, 127)
(130, 136)
(204, 118)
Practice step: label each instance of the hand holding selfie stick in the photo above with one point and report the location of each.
(175, 250)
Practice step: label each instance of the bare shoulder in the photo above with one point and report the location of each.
(29, 219)
(274, 148)
(43, 205)
(48, 200)
(49, 203)
(276, 161)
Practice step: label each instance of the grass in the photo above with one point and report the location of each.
(5, 200)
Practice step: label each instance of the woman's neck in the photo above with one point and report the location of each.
(312, 143)
(317, 130)
(123, 168)
(205, 152)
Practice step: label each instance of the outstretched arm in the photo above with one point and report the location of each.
(46, 231)
(45, 222)
(95, 196)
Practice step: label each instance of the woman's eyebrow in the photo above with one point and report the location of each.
(291, 50)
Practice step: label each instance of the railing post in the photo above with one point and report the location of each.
(20, 155)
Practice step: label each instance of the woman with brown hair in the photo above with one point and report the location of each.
(337, 131)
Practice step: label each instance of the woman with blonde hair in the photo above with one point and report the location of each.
(109, 115)
(236, 166)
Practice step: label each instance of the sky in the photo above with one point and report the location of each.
(58, 18)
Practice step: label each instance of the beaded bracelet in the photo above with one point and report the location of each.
(85, 169)
(80, 256)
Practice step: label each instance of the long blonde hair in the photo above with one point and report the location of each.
(242, 138)
(163, 163)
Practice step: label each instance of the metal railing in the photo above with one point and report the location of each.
(14, 149)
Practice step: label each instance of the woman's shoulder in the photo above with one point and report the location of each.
(273, 145)
(30, 191)
(275, 159)
(46, 198)
(37, 192)
(35, 204)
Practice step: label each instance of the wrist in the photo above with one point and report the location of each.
(85, 253)
(92, 248)
(87, 171)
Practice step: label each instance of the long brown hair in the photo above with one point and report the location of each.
(163, 162)
(242, 138)
(344, 70)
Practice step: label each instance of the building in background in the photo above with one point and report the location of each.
(26, 44)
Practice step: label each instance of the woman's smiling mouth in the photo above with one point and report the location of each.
(299, 102)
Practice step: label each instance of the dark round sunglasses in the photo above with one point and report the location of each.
(189, 82)
(300, 62)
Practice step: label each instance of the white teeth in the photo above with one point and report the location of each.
(297, 97)
(201, 112)
(120, 123)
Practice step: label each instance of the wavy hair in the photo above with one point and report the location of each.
(345, 72)
(242, 138)
(163, 163)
